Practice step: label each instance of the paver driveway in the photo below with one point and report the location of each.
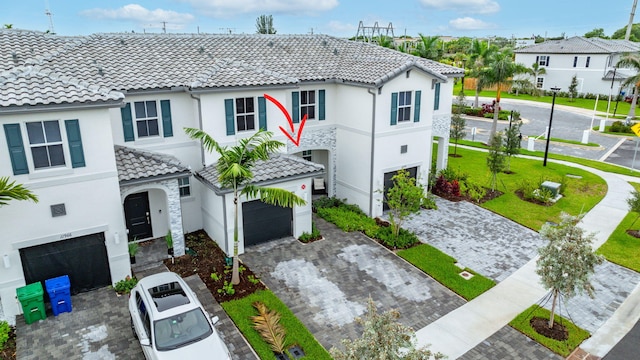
(327, 283)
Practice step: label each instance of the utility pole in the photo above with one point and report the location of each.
(630, 25)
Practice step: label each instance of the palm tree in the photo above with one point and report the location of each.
(479, 55)
(264, 25)
(235, 171)
(535, 71)
(428, 47)
(13, 191)
(386, 42)
(500, 73)
(631, 60)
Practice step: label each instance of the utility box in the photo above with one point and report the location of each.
(31, 299)
(551, 186)
(59, 291)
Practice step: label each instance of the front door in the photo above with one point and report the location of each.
(138, 217)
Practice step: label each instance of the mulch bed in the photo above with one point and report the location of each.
(557, 332)
(204, 257)
(489, 195)
(9, 350)
(634, 233)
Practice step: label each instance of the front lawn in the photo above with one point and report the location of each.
(581, 194)
(442, 268)
(242, 310)
(564, 348)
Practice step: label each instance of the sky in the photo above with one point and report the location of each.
(472, 18)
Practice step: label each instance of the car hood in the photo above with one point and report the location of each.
(212, 346)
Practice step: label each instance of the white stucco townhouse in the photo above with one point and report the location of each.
(370, 112)
(591, 60)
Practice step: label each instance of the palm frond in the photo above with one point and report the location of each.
(208, 142)
(273, 196)
(13, 191)
(267, 323)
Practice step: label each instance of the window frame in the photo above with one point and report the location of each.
(307, 154)
(243, 116)
(46, 144)
(146, 119)
(543, 60)
(404, 109)
(308, 106)
(184, 188)
(539, 83)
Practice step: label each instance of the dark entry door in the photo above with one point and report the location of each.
(83, 258)
(138, 218)
(388, 183)
(263, 222)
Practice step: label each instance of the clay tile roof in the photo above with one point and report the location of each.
(280, 167)
(29, 85)
(135, 164)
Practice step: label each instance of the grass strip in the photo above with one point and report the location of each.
(441, 267)
(564, 348)
(242, 310)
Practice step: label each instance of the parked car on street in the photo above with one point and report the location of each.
(171, 323)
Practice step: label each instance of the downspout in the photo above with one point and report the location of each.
(373, 146)
(197, 99)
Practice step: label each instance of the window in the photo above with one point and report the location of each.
(436, 99)
(306, 154)
(146, 118)
(144, 315)
(245, 114)
(404, 106)
(539, 82)
(308, 104)
(543, 60)
(586, 64)
(45, 141)
(184, 186)
(575, 61)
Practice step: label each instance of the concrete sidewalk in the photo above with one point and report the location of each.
(462, 329)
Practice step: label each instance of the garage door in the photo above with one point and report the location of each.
(263, 222)
(83, 258)
(388, 183)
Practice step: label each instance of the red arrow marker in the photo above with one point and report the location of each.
(295, 141)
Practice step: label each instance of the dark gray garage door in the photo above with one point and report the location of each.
(413, 172)
(83, 258)
(263, 222)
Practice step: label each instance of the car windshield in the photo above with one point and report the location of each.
(180, 330)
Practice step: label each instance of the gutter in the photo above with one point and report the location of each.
(373, 146)
(197, 99)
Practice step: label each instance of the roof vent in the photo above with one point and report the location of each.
(324, 42)
(100, 71)
(335, 51)
(270, 44)
(14, 56)
(201, 50)
(122, 42)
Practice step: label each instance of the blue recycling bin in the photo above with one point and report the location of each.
(59, 291)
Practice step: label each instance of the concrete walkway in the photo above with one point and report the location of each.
(462, 329)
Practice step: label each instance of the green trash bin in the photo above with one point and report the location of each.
(31, 299)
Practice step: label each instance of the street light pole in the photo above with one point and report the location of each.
(553, 103)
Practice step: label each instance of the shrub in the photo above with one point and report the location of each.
(473, 190)
(406, 239)
(347, 219)
(447, 188)
(429, 202)
(125, 286)
(306, 237)
(326, 202)
(5, 329)
(620, 127)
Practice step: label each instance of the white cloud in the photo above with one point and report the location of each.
(340, 27)
(233, 7)
(467, 23)
(464, 6)
(141, 15)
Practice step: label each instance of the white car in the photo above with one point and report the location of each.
(170, 322)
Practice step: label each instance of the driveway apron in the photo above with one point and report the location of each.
(327, 283)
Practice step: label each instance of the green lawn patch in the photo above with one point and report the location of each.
(441, 267)
(622, 248)
(573, 142)
(564, 348)
(581, 194)
(241, 311)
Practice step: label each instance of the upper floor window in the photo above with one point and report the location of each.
(245, 114)
(543, 60)
(306, 154)
(308, 104)
(184, 186)
(45, 142)
(146, 118)
(586, 63)
(404, 106)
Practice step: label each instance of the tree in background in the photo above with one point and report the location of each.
(631, 60)
(458, 123)
(512, 139)
(235, 172)
(495, 158)
(383, 338)
(573, 88)
(597, 32)
(567, 262)
(479, 56)
(12, 191)
(535, 71)
(635, 33)
(386, 41)
(8, 26)
(404, 199)
(264, 25)
(428, 47)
